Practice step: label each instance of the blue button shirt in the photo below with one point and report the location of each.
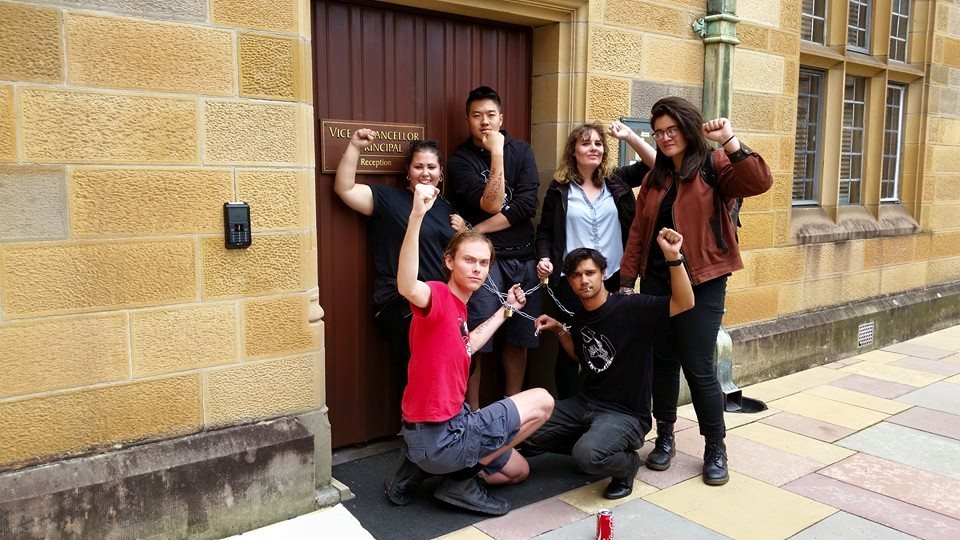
(594, 225)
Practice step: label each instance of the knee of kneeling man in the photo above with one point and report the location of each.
(545, 400)
(589, 460)
(517, 472)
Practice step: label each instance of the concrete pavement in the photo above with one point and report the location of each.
(865, 447)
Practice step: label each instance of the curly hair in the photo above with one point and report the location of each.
(567, 170)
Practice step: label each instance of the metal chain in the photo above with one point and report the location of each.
(492, 287)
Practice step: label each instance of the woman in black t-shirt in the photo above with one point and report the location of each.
(388, 209)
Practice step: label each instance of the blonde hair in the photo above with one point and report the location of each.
(567, 170)
(462, 237)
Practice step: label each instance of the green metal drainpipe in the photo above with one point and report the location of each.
(718, 29)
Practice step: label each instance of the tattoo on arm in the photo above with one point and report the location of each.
(494, 187)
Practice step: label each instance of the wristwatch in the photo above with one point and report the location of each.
(677, 262)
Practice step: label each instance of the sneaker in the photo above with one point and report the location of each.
(664, 448)
(715, 462)
(471, 494)
(405, 481)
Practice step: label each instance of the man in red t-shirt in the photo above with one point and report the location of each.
(441, 434)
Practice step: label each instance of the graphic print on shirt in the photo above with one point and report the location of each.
(597, 350)
(507, 190)
(465, 335)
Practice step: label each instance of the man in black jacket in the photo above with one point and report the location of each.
(493, 183)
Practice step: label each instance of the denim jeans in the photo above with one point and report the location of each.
(600, 440)
(690, 345)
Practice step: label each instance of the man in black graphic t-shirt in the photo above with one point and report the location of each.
(604, 424)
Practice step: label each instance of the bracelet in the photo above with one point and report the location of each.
(728, 140)
(563, 331)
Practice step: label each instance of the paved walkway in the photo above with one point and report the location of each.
(865, 447)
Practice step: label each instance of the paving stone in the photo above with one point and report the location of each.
(730, 419)
(682, 467)
(903, 444)
(920, 351)
(743, 508)
(875, 507)
(788, 441)
(938, 367)
(928, 420)
(766, 463)
(941, 396)
(898, 481)
(892, 373)
(955, 359)
(873, 386)
(826, 410)
(844, 525)
(859, 399)
(955, 379)
(840, 363)
(879, 356)
(791, 384)
(590, 498)
(810, 427)
(939, 340)
(636, 519)
(531, 520)
(466, 533)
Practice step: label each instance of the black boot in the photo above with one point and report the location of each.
(621, 486)
(715, 462)
(664, 449)
(471, 494)
(406, 479)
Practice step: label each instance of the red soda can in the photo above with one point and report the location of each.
(604, 524)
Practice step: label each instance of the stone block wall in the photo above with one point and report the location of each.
(124, 127)
(639, 51)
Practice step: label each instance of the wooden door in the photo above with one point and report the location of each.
(382, 63)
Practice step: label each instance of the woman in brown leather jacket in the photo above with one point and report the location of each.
(676, 195)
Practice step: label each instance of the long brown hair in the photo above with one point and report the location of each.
(690, 123)
(567, 170)
(462, 237)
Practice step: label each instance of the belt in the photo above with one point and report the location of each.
(513, 248)
(419, 425)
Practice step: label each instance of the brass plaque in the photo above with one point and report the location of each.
(386, 155)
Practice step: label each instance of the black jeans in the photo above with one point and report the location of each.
(690, 344)
(600, 440)
(393, 321)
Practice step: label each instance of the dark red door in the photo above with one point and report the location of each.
(382, 63)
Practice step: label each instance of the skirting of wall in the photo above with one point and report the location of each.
(208, 485)
(776, 348)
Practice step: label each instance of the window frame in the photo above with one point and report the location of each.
(866, 28)
(896, 16)
(848, 156)
(813, 16)
(897, 131)
(816, 181)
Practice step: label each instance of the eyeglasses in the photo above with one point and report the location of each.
(663, 134)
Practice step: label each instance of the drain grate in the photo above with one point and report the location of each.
(865, 334)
